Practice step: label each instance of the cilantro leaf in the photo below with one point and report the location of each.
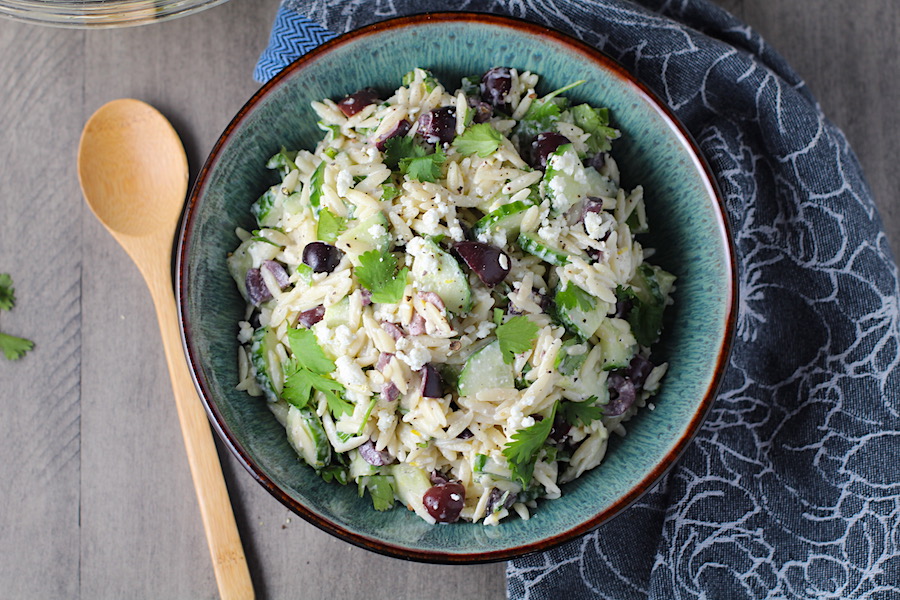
(381, 490)
(300, 382)
(316, 182)
(337, 473)
(595, 121)
(307, 351)
(481, 139)
(524, 447)
(7, 292)
(573, 296)
(516, 336)
(543, 113)
(283, 161)
(14, 347)
(398, 148)
(376, 273)
(424, 168)
(330, 225)
(581, 413)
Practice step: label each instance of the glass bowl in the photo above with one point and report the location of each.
(99, 13)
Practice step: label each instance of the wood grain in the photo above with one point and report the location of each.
(98, 501)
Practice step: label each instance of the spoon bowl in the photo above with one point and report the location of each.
(133, 173)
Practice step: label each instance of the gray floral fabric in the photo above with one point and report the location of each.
(792, 487)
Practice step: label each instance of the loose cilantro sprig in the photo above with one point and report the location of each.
(13, 347)
(581, 413)
(480, 139)
(307, 370)
(377, 273)
(524, 448)
(595, 121)
(412, 159)
(516, 336)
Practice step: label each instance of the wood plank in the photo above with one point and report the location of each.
(40, 248)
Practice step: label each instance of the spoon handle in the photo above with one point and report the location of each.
(229, 562)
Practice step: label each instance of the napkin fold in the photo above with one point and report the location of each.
(792, 487)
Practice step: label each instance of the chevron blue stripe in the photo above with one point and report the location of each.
(293, 35)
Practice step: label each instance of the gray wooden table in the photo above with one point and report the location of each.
(97, 500)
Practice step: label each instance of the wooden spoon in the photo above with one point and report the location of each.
(134, 175)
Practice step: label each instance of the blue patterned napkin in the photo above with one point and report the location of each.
(792, 487)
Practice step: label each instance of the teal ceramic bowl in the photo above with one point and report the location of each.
(688, 229)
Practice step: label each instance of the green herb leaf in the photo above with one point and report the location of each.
(7, 292)
(581, 413)
(381, 490)
(307, 352)
(389, 192)
(524, 447)
(398, 148)
(573, 296)
(14, 347)
(376, 273)
(424, 168)
(305, 272)
(315, 186)
(516, 336)
(481, 139)
(595, 121)
(330, 226)
(283, 161)
(336, 473)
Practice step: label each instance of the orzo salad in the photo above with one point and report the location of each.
(447, 305)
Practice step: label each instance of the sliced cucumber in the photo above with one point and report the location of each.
(411, 483)
(437, 271)
(485, 370)
(359, 467)
(506, 220)
(262, 349)
(268, 209)
(578, 311)
(532, 244)
(373, 233)
(564, 179)
(239, 263)
(617, 343)
(307, 437)
(338, 313)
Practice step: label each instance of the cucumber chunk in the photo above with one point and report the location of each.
(617, 343)
(532, 244)
(567, 181)
(239, 263)
(437, 271)
(506, 220)
(578, 311)
(370, 234)
(485, 370)
(262, 352)
(410, 484)
(307, 437)
(338, 313)
(267, 209)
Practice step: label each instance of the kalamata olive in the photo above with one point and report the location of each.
(401, 128)
(623, 307)
(383, 361)
(257, 290)
(310, 317)
(498, 499)
(621, 394)
(395, 332)
(560, 429)
(355, 102)
(432, 298)
(389, 392)
(482, 110)
(543, 145)
(378, 458)
(638, 370)
(445, 501)
(321, 257)
(438, 126)
(439, 477)
(598, 161)
(417, 325)
(490, 263)
(366, 296)
(432, 384)
(277, 270)
(465, 434)
(495, 85)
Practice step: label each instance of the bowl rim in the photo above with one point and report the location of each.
(651, 478)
